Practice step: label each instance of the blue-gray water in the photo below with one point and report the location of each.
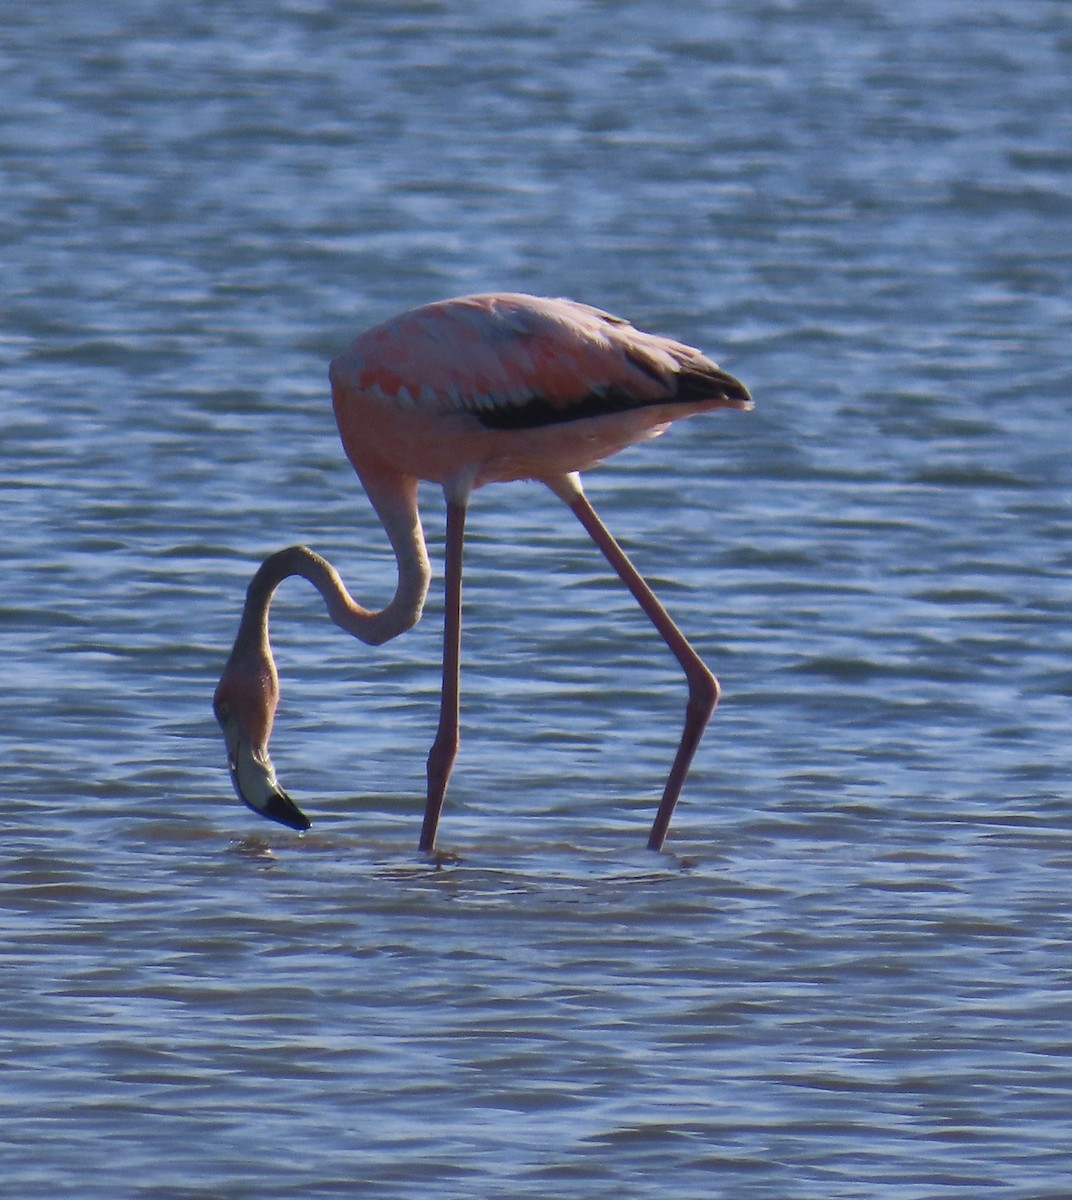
(851, 974)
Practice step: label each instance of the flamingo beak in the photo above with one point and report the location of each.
(254, 778)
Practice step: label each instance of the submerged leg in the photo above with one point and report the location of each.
(703, 686)
(445, 747)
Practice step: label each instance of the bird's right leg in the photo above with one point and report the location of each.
(445, 747)
(703, 686)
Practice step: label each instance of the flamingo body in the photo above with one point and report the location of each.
(513, 387)
(463, 393)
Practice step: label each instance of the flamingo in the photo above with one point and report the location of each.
(462, 393)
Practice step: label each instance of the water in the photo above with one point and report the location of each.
(849, 975)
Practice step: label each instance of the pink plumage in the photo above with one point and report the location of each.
(465, 384)
(466, 392)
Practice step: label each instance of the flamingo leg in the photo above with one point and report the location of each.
(703, 686)
(445, 747)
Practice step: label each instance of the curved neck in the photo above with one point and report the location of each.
(395, 502)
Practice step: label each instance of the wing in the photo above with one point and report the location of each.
(516, 362)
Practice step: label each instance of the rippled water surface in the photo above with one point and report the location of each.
(849, 975)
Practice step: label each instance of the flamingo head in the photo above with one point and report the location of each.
(245, 703)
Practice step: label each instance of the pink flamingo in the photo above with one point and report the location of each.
(463, 393)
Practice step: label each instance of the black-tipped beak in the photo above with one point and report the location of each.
(279, 807)
(254, 778)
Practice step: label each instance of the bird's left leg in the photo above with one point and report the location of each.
(445, 747)
(703, 686)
